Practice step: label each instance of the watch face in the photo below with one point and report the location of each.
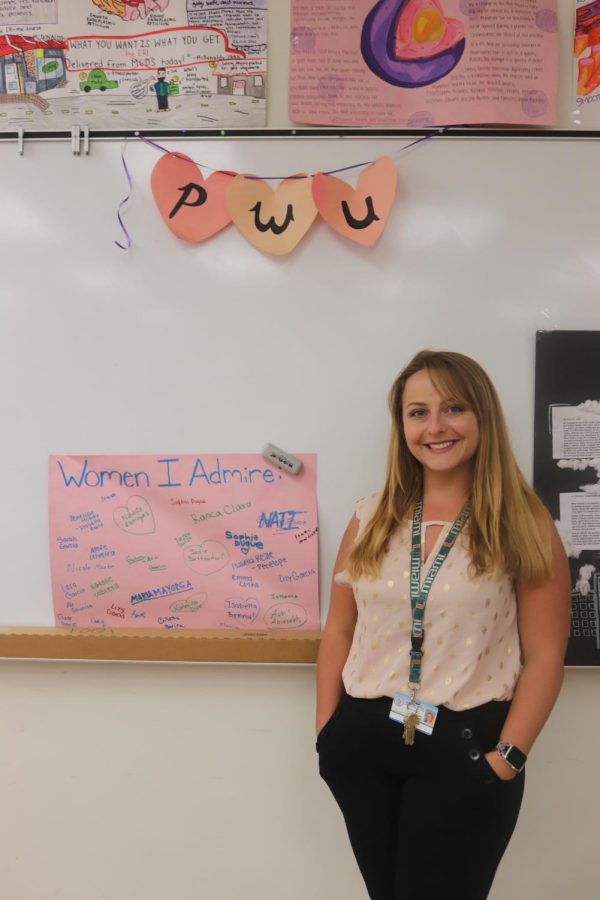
(513, 756)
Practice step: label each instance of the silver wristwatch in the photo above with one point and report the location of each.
(515, 758)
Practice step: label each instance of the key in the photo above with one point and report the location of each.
(410, 724)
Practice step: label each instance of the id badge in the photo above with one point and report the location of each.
(425, 712)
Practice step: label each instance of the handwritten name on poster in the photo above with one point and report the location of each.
(175, 542)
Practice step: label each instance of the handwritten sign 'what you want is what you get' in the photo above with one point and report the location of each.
(173, 542)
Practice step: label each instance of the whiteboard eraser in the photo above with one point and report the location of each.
(282, 459)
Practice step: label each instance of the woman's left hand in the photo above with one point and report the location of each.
(500, 767)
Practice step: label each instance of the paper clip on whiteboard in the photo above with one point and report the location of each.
(80, 134)
(80, 138)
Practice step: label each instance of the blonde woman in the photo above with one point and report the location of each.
(443, 651)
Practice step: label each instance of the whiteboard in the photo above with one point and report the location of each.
(171, 348)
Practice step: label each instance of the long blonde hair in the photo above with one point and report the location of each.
(508, 528)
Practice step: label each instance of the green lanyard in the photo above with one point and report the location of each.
(418, 594)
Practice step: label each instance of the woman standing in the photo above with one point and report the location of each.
(443, 651)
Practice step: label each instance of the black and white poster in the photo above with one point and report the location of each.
(567, 470)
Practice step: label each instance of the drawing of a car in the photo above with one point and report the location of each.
(96, 81)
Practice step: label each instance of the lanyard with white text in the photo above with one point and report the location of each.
(418, 594)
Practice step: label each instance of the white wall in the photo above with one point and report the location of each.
(199, 782)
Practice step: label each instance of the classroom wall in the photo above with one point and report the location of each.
(199, 782)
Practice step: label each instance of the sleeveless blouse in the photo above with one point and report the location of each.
(471, 650)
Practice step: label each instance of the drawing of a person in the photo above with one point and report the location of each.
(162, 90)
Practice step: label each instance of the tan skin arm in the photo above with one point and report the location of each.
(337, 635)
(543, 618)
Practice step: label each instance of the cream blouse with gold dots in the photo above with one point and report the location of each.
(471, 650)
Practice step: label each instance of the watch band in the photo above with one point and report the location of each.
(515, 758)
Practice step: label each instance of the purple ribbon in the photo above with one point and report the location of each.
(359, 165)
(125, 201)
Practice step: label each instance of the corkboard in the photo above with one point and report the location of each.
(159, 645)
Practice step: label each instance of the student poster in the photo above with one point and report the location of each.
(421, 63)
(586, 64)
(123, 64)
(176, 542)
(567, 470)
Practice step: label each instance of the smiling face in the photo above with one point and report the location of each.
(441, 432)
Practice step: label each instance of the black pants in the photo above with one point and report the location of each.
(428, 822)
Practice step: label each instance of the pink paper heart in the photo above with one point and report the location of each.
(135, 518)
(206, 558)
(192, 207)
(358, 213)
(274, 221)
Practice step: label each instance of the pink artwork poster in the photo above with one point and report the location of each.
(587, 64)
(423, 63)
(211, 541)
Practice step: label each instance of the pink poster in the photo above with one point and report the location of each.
(422, 63)
(587, 64)
(211, 541)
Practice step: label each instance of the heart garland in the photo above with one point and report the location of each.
(274, 221)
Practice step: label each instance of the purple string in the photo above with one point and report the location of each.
(125, 201)
(152, 143)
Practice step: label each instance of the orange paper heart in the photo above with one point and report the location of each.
(273, 221)
(194, 208)
(358, 213)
